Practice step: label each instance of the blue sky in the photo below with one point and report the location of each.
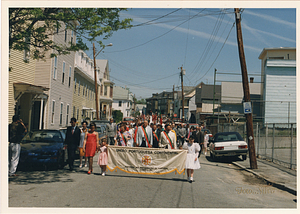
(147, 58)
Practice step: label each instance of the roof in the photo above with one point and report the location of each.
(232, 92)
(120, 93)
(102, 64)
(275, 49)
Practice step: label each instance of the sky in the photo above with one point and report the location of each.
(147, 58)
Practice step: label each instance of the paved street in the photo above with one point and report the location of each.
(217, 185)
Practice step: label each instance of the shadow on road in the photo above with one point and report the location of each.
(40, 175)
(143, 177)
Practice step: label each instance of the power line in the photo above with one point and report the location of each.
(218, 53)
(155, 37)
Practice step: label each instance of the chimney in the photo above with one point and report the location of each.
(251, 79)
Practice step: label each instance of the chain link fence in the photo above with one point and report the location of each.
(276, 142)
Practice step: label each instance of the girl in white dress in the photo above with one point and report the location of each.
(192, 161)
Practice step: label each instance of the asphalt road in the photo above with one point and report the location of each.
(217, 185)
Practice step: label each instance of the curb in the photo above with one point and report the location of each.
(277, 185)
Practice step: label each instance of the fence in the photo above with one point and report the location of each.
(276, 142)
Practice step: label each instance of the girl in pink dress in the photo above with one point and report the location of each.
(102, 159)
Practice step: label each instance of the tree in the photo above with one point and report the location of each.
(117, 115)
(142, 101)
(39, 24)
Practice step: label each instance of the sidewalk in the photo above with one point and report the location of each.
(274, 174)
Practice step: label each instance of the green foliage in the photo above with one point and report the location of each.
(142, 101)
(39, 24)
(117, 115)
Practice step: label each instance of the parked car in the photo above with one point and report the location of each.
(228, 144)
(129, 119)
(43, 147)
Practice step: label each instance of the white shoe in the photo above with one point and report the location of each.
(205, 153)
(80, 166)
(191, 179)
(85, 165)
(103, 174)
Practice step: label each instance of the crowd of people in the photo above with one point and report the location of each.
(143, 133)
(138, 133)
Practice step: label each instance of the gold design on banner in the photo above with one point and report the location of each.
(146, 160)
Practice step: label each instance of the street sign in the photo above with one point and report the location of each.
(247, 108)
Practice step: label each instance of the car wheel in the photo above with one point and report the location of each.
(60, 161)
(212, 156)
(244, 157)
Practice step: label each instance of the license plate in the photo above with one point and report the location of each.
(231, 153)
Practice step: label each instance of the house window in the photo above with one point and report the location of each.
(75, 81)
(55, 67)
(83, 90)
(73, 111)
(81, 57)
(127, 104)
(53, 108)
(89, 93)
(105, 90)
(72, 34)
(111, 92)
(77, 113)
(79, 87)
(86, 90)
(66, 34)
(67, 116)
(70, 73)
(63, 73)
(120, 103)
(101, 90)
(61, 113)
(27, 48)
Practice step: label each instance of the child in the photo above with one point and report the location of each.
(102, 159)
(192, 161)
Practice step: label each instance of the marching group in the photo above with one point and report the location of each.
(138, 133)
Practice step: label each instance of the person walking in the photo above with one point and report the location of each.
(123, 136)
(144, 136)
(156, 136)
(200, 139)
(192, 161)
(111, 129)
(167, 138)
(15, 131)
(102, 159)
(90, 145)
(206, 138)
(72, 140)
(181, 134)
(83, 132)
(131, 132)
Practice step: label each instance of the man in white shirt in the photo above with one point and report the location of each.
(167, 138)
(144, 136)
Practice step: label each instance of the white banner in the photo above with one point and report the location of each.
(150, 161)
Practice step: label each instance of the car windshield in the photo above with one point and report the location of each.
(47, 136)
(208, 132)
(223, 137)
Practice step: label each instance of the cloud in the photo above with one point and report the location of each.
(272, 19)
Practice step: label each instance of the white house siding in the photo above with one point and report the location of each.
(20, 72)
(280, 95)
(59, 92)
(123, 108)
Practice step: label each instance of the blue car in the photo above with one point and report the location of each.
(43, 147)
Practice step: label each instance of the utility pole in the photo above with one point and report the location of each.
(173, 100)
(249, 123)
(96, 84)
(214, 93)
(134, 105)
(181, 74)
